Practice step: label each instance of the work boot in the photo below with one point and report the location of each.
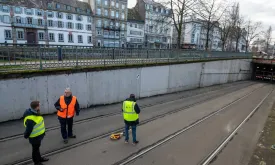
(44, 159)
(126, 141)
(65, 141)
(135, 142)
(72, 137)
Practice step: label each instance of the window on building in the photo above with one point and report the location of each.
(59, 15)
(106, 23)
(117, 24)
(6, 19)
(111, 24)
(29, 20)
(50, 5)
(140, 26)
(88, 11)
(70, 38)
(69, 16)
(51, 36)
(7, 34)
(40, 22)
(41, 35)
(6, 9)
(39, 12)
(18, 20)
(117, 34)
(79, 18)
(98, 43)
(50, 14)
(136, 26)
(112, 13)
(98, 2)
(123, 7)
(106, 3)
(89, 19)
(80, 39)
(122, 34)
(98, 11)
(20, 35)
(58, 6)
(106, 12)
(60, 24)
(117, 14)
(113, 3)
(68, 7)
(89, 39)
(122, 26)
(79, 26)
(50, 23)
(99, 32)
(99, 23)
(131, 25)
(61, 37)
(122, 16)
(117, 5)
(69, 25)
(28, 11)
(18, 10)
(89, 27)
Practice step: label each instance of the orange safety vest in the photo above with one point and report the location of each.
(68, 110)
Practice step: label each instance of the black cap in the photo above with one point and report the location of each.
(132, 96)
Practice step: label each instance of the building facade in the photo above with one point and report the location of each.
(158, 25)
(110, 20)
(194, 35)
(59, 22)
(135, 30)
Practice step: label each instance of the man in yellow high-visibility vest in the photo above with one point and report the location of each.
(35, 131)
(130, 111)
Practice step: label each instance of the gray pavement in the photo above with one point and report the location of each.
(16, 127)
(208, 135)
(18, 148)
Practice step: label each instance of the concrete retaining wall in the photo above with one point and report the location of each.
(105, 87)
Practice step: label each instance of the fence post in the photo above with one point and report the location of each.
(76, 58)
(59, 53)
(40, 58)
(113, 54)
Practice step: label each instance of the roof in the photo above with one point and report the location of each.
(133, 15)
(43, 4)
(152, 2)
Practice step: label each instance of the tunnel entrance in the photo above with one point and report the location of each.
(263, 72)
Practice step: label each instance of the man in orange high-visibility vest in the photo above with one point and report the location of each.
(67, 106)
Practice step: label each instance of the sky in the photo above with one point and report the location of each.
(257, 10)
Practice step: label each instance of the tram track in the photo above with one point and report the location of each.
(104, 135)
(89, 119)
(211, 156)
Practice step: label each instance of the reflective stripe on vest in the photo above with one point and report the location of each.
(129, 112)
(68, 110)
(39, 127)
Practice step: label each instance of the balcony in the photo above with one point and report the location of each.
(27, 25)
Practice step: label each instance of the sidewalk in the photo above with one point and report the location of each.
(263, 154)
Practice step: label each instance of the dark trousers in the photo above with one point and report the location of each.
(134, 134)
(63, 123)
(36, 157)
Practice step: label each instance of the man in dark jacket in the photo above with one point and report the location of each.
(67, 106)
(130, 111)
(35, 131)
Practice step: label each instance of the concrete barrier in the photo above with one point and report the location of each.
(106, 87)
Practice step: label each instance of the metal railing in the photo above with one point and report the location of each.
(39, 57)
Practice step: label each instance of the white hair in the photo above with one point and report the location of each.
(68, 90)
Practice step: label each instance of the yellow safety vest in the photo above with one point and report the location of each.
(39, 127)
(129, 112)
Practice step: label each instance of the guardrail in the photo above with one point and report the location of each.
(39, 57)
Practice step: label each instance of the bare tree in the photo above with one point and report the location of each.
(268, 35)
(211, 11)
(180, 9)
(225, 29)
(251, 32)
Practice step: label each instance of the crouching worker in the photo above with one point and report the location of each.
(35, 131)
(131, 118)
